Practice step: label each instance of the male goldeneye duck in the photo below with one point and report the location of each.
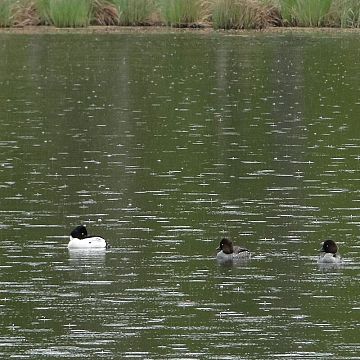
(227, 251)
(79, 239)
(328, 253)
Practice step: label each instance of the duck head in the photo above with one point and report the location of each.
(329, 246)
(226, 246)
(79, 232)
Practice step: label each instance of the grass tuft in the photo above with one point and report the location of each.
(180, 13)
(310, 13)
(66, 13)
(243, 14)
(345, 14)
(134, 12)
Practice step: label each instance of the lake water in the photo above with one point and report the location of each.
(163, 144)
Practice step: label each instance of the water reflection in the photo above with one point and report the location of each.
(233, 263)
(165, 143)
(86, 257)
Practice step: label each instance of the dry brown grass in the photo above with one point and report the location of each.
(26, 14)
(105, 13)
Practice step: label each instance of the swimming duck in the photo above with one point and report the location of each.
(79, 239)
(228, 252)
(328, 253)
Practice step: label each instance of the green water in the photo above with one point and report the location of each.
(162, 144)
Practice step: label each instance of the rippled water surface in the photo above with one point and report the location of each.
(164, 143)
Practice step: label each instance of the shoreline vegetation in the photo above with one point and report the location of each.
(155, 15)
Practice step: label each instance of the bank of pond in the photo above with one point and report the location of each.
(218, 14)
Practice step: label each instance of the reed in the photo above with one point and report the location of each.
(133, 12)
(309, 13)
(180, 13)
(66, 13)
(242, 14)
(6, 13)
